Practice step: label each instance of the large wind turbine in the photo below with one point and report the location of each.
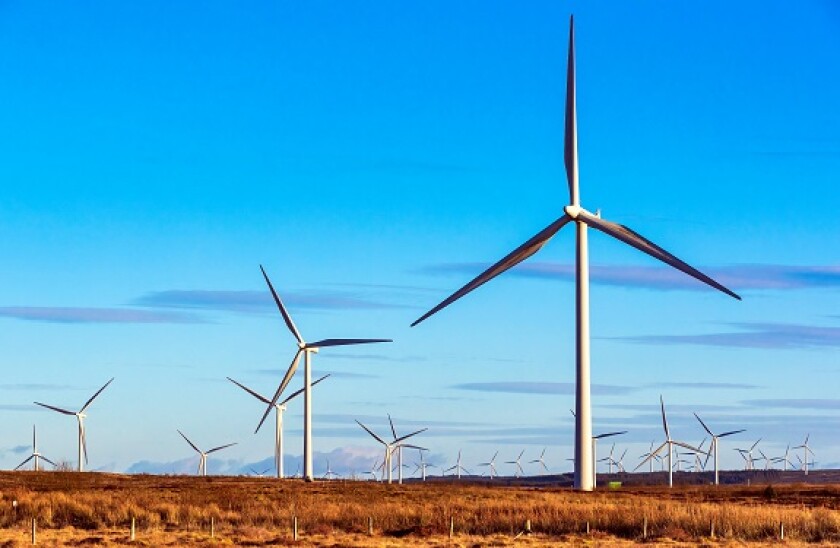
(35, 455)
(80, 417)
(669, 443)
(202, 463)
(715, 441)
(279, 408)
(583, 219)
(307, 349)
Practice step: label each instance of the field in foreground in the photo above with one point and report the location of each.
(97, 509)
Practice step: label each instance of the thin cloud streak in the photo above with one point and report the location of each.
(704, 385)
(553, 388)
(824, 404)
(84, 315)
(756, 335)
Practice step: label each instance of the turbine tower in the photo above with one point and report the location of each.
(583, 219)
(307, 349)
(35, 455)
(715, 441)
(202, 462)
(279, 408)
(80, 417)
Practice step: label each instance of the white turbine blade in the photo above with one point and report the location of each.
(286, 317)
(633, 239)
(369, 431)
(345, 342)
(652, 455)
(611, 434)
(219, 448)
(756, 443)
(570, 155)
(301, 391)
(197, 450)
(731, 433)
(706, 428)
(393, 430)
(246, 389)
(87, 404)
(286, 380)
(59, 409)
(397, 440)
(664, 420)
(514, 258)
(84, 443)
(29, 458)
(687, 446)
(49, 461)
(414, 447)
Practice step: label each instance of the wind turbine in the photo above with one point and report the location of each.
(329, 474)
(80, 417)
(518, 472)
(279, 408)
(714, 446)
(649, 453)
(491, 465)
(583, 219)
(399, 446)
(458, 468)
(307, 349)
(747, 454)
(541, 460)
(389, 447)
(422, 465)
(35, 455)
(609, 459)
(807, 450)
(202, 463)
(669, 443)
(785, 460)
(259, 474)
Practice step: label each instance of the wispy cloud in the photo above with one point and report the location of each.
(255, 302)
(755, 335)
(28, 387)
(18, 407)
(739, 277)
(565, 388)
(704, 385)
(824, 404)
(83, 315)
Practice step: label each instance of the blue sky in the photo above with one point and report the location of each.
(374, 157)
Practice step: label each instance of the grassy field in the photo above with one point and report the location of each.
(97, 509)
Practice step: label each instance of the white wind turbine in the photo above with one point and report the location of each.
(785, 460)
(458, 468)
(35, 455)
(541, 460)
(422, 465)
(202, 462)
(583, 219)
(390, 446)
(620, 462)
(329, 474)
(747, 454)
(669, 444)
(715, 444)
(279, 408)
(518, 472)
(398, 447)
(491, 465)
(609, 459)
(648, 454)
(307, 349)
(80, 417)
(806, 450)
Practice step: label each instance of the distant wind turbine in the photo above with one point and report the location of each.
(785, 460)
(35, 455)
(390, 446)
(202, 462)
(669, 444)
(715, 444)
(307, 349)
(747, 454)
(80, 417)
(491, 465)
(541, 460)
(806, 449)
(458, 468)
(517, 471)
(583, 219)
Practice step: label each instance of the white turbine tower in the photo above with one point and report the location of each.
(541, 460)
(307, 349)
(595, 453)
(80, 417)
(715, 444)
(669, 444)
(491, 465)
(389, 448)
(806, 449)
(202, 462)
(583, 219)
(518, 472)
(35, 455)
(279, 408)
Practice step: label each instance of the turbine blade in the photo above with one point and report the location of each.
(246, 389)
(29, 458)
(369, 431)
(756, 443)
(414, 447)
(84, 444)
(49, 461)
(301, 391)
(288, 319)
(514, 258)
(652, 455)
(345, 342)
(397, 440)
(687, 446)
(664, 420)
(59, 409)
(570, 155)
(731, 433)
(633, 239)
(219, 448)
(188, 441)
(706, 428)
(286, 380)
(85, 406)
(393, 430)
(611, 434)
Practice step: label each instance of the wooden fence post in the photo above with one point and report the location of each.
(712, 528)
(131, 535)
(34, 532)
(294, 528)
(370, 525)
(781, 531)
(212, 527)
(451, 526)
(587, 527)
(644, 528)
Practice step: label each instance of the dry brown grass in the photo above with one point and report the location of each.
(96, 509)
